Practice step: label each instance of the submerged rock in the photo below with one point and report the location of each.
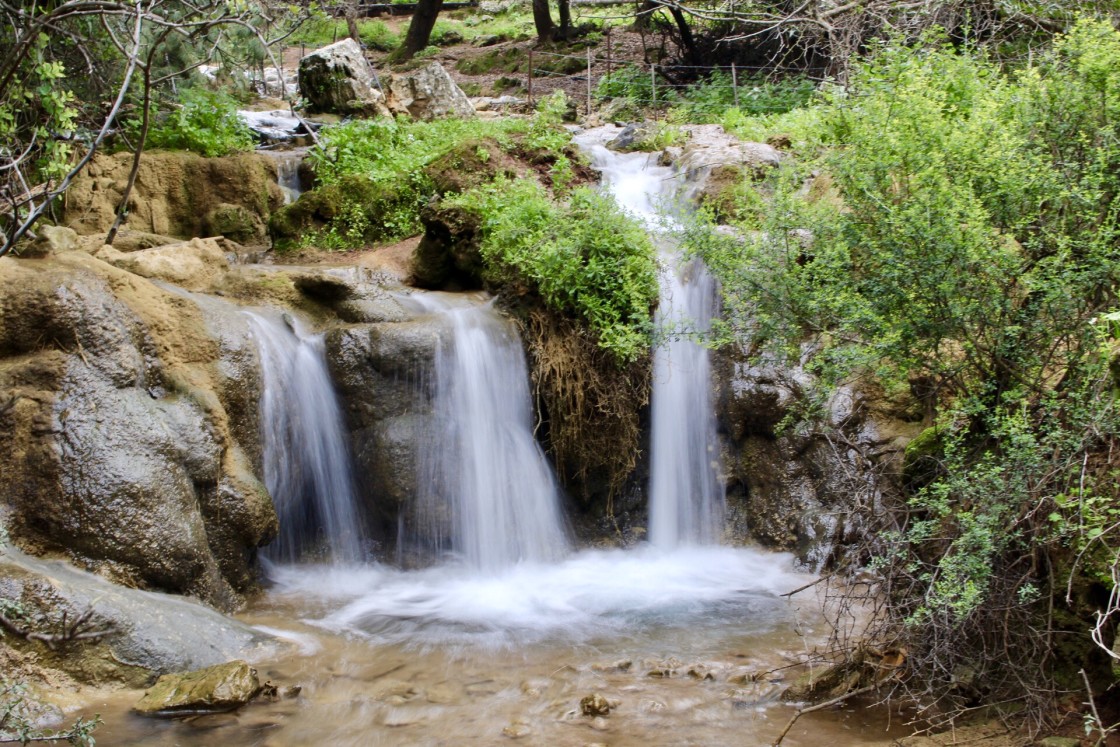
(594, 705)
(222, 687)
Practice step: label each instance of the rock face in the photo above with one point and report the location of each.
(194, 264)
(119, 409)
(383, 373)
(796, 485)
(148, 634)
(222, 687)
(176, 194)
(338, 79)
(428, 93)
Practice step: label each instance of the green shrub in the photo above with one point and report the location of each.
(205, 122)
(584, 256)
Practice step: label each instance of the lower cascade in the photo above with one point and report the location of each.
(485, 465)
(306, 461)
(685, 494)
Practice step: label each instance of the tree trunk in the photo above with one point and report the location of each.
(565, 18)
(352, 21)
(642, 17)
(420, 30)
(542, 19)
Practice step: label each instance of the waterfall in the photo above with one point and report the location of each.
(287, 171)
(686, 496)
(307, 467)
(484, 467)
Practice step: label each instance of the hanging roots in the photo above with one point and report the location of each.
(590, 406)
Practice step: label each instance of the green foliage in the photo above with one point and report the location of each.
(205, 122)
(972, 248)
(584, 257)
(373, 172)
(324, 30)
(18, 717)
(709, 100)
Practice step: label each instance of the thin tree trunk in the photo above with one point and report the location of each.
(542, 19)
(352, 21)
(641, 18)
(420, 30)
(122, 209)
(565, 18)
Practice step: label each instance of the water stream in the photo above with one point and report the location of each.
(307, 467)
(685, 494)
(484, 465)
(689, 640)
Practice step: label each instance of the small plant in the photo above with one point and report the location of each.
(204, 122)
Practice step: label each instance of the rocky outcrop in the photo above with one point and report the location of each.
(118, 408)
(797, 483)
(383, 373)
(715, 163)
(428, 93)
(195, 265)
(338, 79)
(176, 194)
(145, 634)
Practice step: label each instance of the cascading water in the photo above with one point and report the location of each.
(307, 467)
(485, 464)
(686, 498)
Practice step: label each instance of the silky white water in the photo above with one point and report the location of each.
(306, 461)
(685, 493)
(483, 463)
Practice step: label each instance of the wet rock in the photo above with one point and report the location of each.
(338, 79)
(148, 633)
(444, 693)
(428, 93)
(650, 706)
(636, 136)
(222, 687)
(128, 459)
(594, 705)
(600, 724)
(754, 694)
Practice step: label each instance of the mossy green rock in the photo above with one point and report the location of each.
(235, 222)
(222, 687)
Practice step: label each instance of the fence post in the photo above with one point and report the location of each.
(735, 83)
(607, 29)
(653, 83)
(589, 81)
(530, 78)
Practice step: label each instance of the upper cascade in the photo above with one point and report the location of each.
(686, 496)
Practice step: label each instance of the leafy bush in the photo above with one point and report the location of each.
(585, 257)
(972, 251)
(372, 174)
(205, 122)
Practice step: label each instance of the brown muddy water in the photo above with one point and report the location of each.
(445, 656)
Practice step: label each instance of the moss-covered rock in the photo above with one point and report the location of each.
(235, 222)
(222, 687)
(351, 212)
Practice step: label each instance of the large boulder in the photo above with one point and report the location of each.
(113, 405)
(146, 634)
(428, 93)
(338, 79)
(175, 194)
